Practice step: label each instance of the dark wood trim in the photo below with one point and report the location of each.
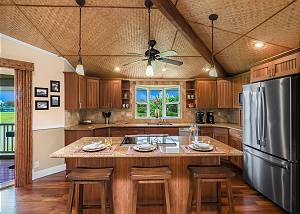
(169, 10)
(16, 64)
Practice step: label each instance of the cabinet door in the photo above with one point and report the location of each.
(71, 91)
(104, 132)
(261, 72)
(224, 94)
(82, 92)
(221, 134)
(71, 137)
(237, 87)
(105, 94)
(235, 140)
(116, 100)
(206, 131)
(286, 65)
(92, 90)
(206, 91)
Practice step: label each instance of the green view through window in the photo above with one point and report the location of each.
(157, 101)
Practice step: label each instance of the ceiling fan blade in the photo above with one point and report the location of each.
(168, 53)
(135, 54)
(170, 61)
(136, 61)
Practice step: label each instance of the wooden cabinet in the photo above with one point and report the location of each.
(71, 137)
(110, 94)
(71, 91)
(206, 94)
(207, 131)
(221, 134)
(237, 87)
(92, 91)
(236, 141)
(82, 92)
(121, 132)
(172, 131)
(224, 94)
(103, 132)
(284, 64)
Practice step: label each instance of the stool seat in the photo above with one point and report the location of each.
(152, 173)
(211, 172)
(88, 174)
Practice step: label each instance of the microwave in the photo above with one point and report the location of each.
(241, 98)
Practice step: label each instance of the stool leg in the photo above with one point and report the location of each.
(229, 194)
(190, 197)
(71, 198)
(103, 196)
(111, 200)
(134, 196)
(80, 199)
(198, 202)
(167, 196)
(219, 198)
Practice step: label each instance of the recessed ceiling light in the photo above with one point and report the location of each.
(117, 69)
(259, 44)
(164, 69)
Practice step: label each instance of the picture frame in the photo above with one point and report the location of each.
(55, 101)
(54, 86)
(41, 105)
(40, 92)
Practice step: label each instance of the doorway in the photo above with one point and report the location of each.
(7, 127)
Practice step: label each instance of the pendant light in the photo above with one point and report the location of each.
(212, 71)
(79, 67)
(149, 68)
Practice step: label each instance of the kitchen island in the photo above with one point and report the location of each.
(122, 159)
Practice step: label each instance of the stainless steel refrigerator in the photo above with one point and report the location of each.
(271, 140)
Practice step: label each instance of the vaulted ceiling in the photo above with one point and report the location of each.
(114, 28)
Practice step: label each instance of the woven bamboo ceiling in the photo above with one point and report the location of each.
(114, 28)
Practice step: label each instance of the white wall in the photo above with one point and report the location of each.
(48, 125)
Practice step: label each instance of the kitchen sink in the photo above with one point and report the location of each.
(161, 124)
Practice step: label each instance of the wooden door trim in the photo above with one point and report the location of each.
(23, 84)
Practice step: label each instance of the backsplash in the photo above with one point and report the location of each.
(128, 115)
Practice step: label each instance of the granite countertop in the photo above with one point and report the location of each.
(74, 150)
(112, 125)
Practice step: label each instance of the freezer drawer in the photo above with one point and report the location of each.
(274, 178)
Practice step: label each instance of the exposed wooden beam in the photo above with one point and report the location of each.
(15, 64)
(168, 9)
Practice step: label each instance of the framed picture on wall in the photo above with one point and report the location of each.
(40, 92)
(54, 86)
(54, 101)
(41, 105)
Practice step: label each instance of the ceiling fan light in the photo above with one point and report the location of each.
(149, 71)
(213, 72)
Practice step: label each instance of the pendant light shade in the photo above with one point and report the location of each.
(79, 67)
(149, 70)
(212, 71)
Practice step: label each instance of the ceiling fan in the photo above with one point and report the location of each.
(152, 55)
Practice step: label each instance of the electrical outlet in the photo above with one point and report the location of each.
(36, 164)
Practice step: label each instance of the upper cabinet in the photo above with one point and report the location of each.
(110, 94)
(206, 94)
(71, 91)
(281, 65)
(92, 95)
(224, 94)
(237, 87)
(82, 92)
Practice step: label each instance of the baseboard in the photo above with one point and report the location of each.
(6, 184)
(48, 171)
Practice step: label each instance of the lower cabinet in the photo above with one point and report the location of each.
(236, 141)
(207, 131)
(121, 132)
(70, 137)
(172, 131)
(102, 132)
(221, 134)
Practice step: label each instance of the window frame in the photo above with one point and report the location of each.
(164, 89)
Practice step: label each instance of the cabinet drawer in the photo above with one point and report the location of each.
(101, 132)
(162, 130)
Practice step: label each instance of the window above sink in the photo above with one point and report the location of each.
(159, 101)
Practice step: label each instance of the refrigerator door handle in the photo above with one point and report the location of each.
(258, 123)
(283, 166)
(263, 101)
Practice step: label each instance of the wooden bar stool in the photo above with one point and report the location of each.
(200, 174)
(81, 176)
(154, 175)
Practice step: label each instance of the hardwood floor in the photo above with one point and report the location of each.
(49, 195)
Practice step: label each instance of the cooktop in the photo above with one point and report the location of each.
(152, 138)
